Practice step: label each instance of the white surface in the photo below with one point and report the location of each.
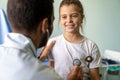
(113, 55)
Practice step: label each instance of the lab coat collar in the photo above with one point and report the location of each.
(16, 40)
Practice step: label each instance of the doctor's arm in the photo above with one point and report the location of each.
(94, 74)
(46, 50)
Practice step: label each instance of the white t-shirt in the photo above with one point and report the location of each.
(63, 53)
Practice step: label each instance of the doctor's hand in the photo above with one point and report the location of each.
(46, 50)
(75, 74)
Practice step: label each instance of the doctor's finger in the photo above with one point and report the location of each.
(80, 74)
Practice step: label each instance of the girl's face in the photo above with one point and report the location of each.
(70, 18)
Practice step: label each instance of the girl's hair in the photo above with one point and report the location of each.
(74, 2)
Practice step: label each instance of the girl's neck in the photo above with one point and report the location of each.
(74, 38)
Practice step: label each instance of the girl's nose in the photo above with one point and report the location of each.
(69, 19)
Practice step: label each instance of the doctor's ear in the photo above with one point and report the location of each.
(44, 25)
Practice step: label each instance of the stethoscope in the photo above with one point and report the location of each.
(77, 62)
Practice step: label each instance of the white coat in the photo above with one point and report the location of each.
(18, 60)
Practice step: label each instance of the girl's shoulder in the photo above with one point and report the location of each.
(59, 37)
(56, 38)
(88, 41)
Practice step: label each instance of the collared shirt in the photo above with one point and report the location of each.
(18, 60)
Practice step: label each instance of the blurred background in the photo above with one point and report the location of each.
(102, 23)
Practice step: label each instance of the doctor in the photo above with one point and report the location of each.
(32, 24)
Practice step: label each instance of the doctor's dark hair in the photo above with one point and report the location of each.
(25, 15)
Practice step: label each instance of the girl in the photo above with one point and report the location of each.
(72, 45)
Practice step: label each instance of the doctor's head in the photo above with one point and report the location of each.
(32, 18)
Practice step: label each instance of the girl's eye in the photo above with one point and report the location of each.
(75, 16)
(63, 17)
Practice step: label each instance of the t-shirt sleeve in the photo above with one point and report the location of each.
(96, 57)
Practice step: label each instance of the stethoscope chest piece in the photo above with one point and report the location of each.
(76, 62)
(89, 59)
